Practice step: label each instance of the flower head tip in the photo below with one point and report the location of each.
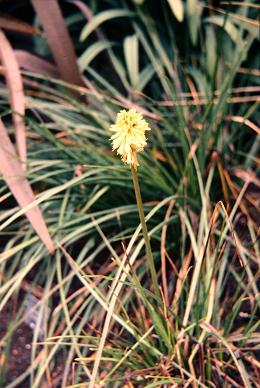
(129, 137)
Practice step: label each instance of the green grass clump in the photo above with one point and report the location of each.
(194, 82)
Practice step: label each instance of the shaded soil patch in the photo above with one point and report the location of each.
(15, 351)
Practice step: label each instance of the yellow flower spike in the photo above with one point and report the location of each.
(129, 137)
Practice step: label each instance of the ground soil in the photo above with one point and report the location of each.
(14, 354)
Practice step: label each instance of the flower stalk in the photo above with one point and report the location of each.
(129, 139)
(145, 232)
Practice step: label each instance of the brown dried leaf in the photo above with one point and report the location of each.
(159, 156)
(246, 176)
(248, 123)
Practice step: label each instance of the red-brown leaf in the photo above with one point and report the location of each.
(59, 41)
(33, 63)
(13, 174)
(10, 23)
(16, 93)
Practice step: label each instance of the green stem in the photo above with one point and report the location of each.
(145, 232)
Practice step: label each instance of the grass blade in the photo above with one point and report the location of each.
(177, 9)
(101, 18)
(131, 58)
